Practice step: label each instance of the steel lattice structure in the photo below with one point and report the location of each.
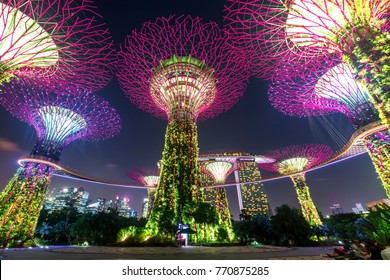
(319, 88)
(219, 170)
(356, 31)
(58, 120)
(55, 40)
(169, 44)
(293, 161)
(311, 89)
(149, 177)
(181, 69)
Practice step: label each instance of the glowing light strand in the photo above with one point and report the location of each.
(58, 120)
(297, 158)
(55, 41)
(183, 70)
(60, 123)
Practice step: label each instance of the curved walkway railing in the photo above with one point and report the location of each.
(353, 148)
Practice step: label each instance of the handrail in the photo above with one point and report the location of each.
(356, 138)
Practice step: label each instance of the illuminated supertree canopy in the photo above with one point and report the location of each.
(355, 30)
(181, 69)
(310, 90)
(149, 177)
(58, 120)
(294, 161)
(219, 170)
(55, 40)
(146, 176)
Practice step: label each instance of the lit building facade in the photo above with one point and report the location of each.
(145, 206)
(69, 197)
(252, 197)
(336, 209)
(121, 206)
(359, 209)
(210, 194)
(100, 206)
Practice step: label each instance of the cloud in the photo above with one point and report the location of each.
(111, 166)
(8, 146)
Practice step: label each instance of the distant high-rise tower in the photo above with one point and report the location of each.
(337, 209)
(252, 197)
(145, 206)
(70, 197)
(80, 199)
(359, 209)
(122, 207)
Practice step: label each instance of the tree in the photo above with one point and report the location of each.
(100, 228)
(256, 227)
(244, 215)
(205, 214)
(262, 228)
(343, 225)
(165, 222)
(44, 229)
(61, 233)
(290, 227)
(377, 225)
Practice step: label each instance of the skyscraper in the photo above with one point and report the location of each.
(251, 197)
(145, 206)
(337, 209)
(359, 209)
(71, 197)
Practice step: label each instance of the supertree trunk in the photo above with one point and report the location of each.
(178, 189)
(370, 59)
(21, 202)
(308, 208)
(378, 147)
(225, 222)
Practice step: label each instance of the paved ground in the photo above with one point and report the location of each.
(167, 253)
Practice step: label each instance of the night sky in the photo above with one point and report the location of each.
(251, 126)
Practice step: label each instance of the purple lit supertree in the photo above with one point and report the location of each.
(149, 177)
(310, 89)
(294, 161)
(219, 170)
(58, 120)
(357, 31)
(54, 40)
(180, 69)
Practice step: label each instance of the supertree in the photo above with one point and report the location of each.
(149, 177)
(180, 69)
(58, 119)
(55, 40)
(309, 89)
(357, 31)
(219, 170)
(294, 161)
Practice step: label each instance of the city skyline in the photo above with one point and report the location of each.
(251, 126)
